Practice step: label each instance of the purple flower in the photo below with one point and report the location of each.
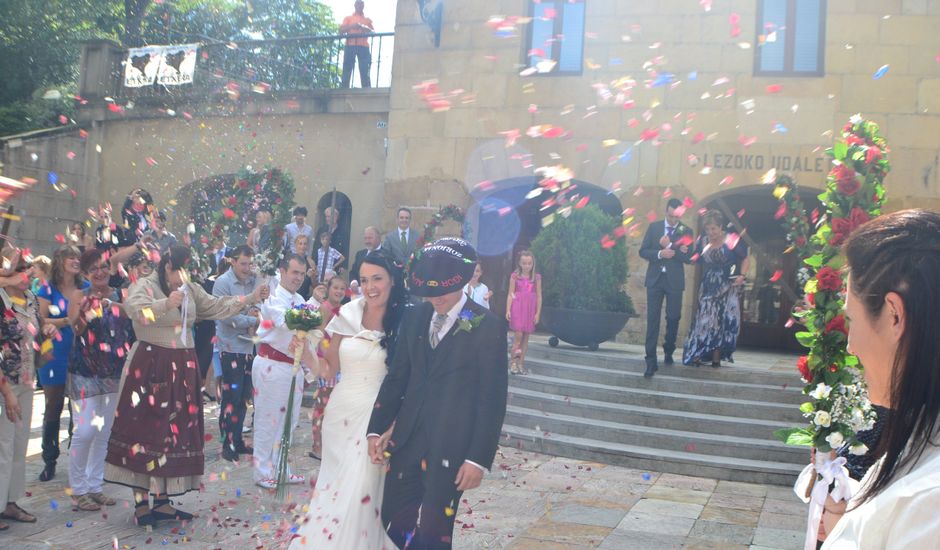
(466, 315)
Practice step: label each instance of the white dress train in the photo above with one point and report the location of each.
(345, 510)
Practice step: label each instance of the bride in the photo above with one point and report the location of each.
(344, 512)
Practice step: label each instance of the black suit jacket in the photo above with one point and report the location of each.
(448, 404)
(649, 250)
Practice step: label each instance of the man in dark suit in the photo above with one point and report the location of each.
(402, 241)
(372, 241)
(445, 392)
(666, 246)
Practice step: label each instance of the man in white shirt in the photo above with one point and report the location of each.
(272, 371)
(401, 242)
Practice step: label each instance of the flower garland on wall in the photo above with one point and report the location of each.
(227, 208)
(449, 212)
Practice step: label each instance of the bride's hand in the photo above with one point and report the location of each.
(377, 449)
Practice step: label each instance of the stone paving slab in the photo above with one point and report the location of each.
(527, 501)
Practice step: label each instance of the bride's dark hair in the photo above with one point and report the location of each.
(397, 300)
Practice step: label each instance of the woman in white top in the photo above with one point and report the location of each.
(476, 290)
(893, 305)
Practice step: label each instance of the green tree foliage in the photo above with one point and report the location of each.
(577, 271)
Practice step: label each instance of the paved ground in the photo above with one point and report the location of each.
(529, 501)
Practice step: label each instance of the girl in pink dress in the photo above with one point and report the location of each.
(523, 308)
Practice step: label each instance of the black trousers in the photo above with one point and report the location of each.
(420, 505)
(203, 333)
(236, 389)
(362, 53)
(655, 295)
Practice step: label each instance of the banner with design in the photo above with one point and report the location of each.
(164, 65)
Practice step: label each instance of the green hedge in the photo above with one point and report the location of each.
(577, 272)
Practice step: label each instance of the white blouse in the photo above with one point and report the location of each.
(905, 515)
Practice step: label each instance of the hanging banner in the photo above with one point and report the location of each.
(140, 68)
(164, 65)
(178, 66)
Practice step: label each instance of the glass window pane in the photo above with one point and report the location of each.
(572, 45)
(542, 32)
(773, 27)
(806, 35)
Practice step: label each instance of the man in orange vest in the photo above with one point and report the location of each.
(356, 46)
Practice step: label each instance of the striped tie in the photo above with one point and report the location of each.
(436, 327)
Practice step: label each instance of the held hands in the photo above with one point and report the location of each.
(667, 253)
(468, 477)
(175, 299)
(49, 330)
(378, 444)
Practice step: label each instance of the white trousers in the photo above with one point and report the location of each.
(92, 418)
(13, 441)
(271, 380)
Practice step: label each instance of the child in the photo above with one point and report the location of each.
(476, 290)
(329, 259)
(523, 308)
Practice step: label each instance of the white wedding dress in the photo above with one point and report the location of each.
(345, 511)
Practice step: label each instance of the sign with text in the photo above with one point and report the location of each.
(763, 162)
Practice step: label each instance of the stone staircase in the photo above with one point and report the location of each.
(706, 422)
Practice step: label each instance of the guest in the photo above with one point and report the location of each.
(523, 308)
(216, 256)
(78, 237)
(301, 247)
(329, 260)
(137, 213)
(259, 238)
(236, 352)
(156, 443)
(272, 371)
(891, 303)
(333, 225)
(103, 338)
(39, 273)
(372, 240)
(18, 312)
(335, 297)
(714, 332)
(158, 234)
(54, 297)
(401, 242)
(476, 290)
(355, 25)
(138, 267)
(298, 227)
(666, 248)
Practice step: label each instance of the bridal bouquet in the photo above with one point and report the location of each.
(304, 320)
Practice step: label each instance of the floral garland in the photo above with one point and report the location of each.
(228, 208)
(839, 406)
(449, 212)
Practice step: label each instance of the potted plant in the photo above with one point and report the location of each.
(584, 274)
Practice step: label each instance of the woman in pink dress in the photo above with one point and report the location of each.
(523, 308)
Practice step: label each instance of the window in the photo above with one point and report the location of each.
(555, 37)
(791, 38)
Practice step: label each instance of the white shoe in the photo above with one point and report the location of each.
(246, 429)
(296, 479)
(267, 483)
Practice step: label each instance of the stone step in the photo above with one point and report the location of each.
(668, 379)
(667, 400)
(729, 446)
(660, 460)
(652, 417)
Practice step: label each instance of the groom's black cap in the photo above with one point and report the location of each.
(441, 267)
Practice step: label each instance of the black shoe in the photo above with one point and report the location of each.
(229, 454)
(146, 520)
(48, 472)
(243, 449)
(177, 515)
(667, 360)
(651, 368)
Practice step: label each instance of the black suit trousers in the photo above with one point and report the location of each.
(655, 295)
(423, 495)
(236, 390)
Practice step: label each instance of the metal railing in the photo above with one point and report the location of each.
(271, 66)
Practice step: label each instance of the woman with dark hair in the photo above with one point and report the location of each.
(891, 304)
(717, 321)
(65, 280)
(156, 443)
(103, 337)
(137, 213)
(362, 342)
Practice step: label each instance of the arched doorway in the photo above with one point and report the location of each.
(343, 205)
(765, 304)
(502, 221)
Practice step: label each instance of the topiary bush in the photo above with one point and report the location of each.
(577, 271)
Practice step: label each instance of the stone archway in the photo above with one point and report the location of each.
(343, 205)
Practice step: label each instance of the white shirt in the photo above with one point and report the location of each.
(278, 336)
(452, 315)
(478, 294)
(904, 515)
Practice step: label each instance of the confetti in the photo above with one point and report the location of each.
(776, 276)
(880, 72)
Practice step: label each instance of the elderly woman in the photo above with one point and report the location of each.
(724, 261)
(891, 304)
(156, 443)
(103, 337)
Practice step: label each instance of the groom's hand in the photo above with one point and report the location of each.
(468, 477)
(376, 449)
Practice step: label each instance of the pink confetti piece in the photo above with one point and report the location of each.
(776, 276)
(651, 216)
(726, 180)
(747, 141)
(774, 88)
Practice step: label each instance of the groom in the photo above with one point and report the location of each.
(445, 395)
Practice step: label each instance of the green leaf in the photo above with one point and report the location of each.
(851, 361)
(815, 260)
(807, 408)
(806, 339)
(839, 150)
(801, 437)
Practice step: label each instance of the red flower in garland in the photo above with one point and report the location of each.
(837, 323)
(829, 279)
(843, 227)
(846, 181)
(853, 139)
(873, 155)
(803, 365)
(811, 299)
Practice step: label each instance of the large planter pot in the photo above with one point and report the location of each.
(582, 328)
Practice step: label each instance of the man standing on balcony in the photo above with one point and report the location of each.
(353, 26)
